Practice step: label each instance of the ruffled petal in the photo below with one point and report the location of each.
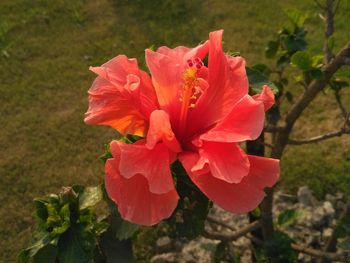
(153, 164)
(167, 67)
(266, 97)
(135, 202)
(226, 161)
(160, 130)
(236, 198)
(122, 96)
(244, 122)
(228, 83)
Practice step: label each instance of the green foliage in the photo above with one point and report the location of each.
(296, 17)
(278, 249)
(223, 253)
(288, 217)
(66, 226)
(257, 79)
(191, 212)
(302, 60)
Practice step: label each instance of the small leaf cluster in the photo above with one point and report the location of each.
(67, 227)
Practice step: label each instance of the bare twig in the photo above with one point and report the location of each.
(341, 106)
(217, 221)
(318, 253)
(337, 133)
(230, 237)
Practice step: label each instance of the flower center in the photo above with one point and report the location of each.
(190, 90)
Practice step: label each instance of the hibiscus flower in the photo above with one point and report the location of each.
(188, 111)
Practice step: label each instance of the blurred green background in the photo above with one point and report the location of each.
(46, 47)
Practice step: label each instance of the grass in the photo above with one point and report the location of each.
(46, 48)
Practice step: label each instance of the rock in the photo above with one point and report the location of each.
(328, 209)
(305, 196)
(165, 258)
(163, 244)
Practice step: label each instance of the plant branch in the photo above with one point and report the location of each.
(230, 237)
(318, 253)
(306, 98)
(255, 225)
(331, 245)
(329, 29)
(337, 133)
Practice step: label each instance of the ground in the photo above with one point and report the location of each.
(46, 48)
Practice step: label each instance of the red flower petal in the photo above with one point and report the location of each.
(122, 97)
(266, 96)
(135, 202)
(226, 161)
(160, 130)
(153, 164)
(244, 122)
(228, 83)
(235, 198)
(167, 67)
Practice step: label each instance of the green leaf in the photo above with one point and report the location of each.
(107, 154)
(302, 60)
(90, 197)
(220, 252)
(295, 16)
(116, 251)
(76, 246)
(317, 61)
(191, 212)
(256, 213)
(257, 80)
(278, 249)
(316, 74)
(40, 240)
(288, 217)
(271, 49)
(47, 254)
(293, 44)
(63, 224)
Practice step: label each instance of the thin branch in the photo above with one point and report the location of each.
(329, 29)
(217, 221)
(318, 253)
(337, 133)
(341, 106)
(257, 224)
(272, 128)
(230, 237)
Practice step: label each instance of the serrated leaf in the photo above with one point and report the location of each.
(63, 224)
(288, 217)
(271, 49)
(257, 80)
(302, 60)
(47, 254)
(90, 197)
